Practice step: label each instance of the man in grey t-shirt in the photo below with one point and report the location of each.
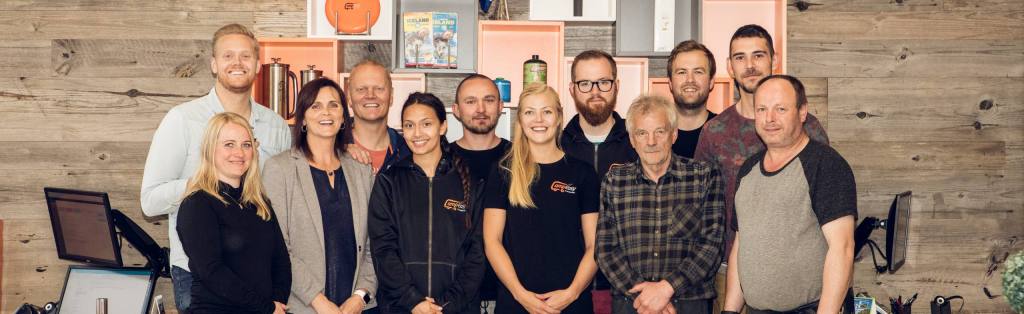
(796, 205)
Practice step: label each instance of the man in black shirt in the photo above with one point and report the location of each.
(691, 73)
(478, 106)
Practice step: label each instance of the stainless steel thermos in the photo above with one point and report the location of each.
(275, 88)
(309, 75)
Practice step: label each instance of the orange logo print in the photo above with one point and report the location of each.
(559, 186)
(454, 205)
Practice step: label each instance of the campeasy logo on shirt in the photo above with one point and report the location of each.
(559, 186)
(454, 205)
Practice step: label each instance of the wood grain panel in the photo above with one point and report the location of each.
(926, 109)
(22, 196)
(945, 194)
(923, 25)
(983, 5)
(959, 58)
(20, 58)
(73, 155)
(923, 155)
(444, 85)
(99, 96)
(357, 51)
(135, 58)
(116, 24)
(580, 37)
(279, 23)
(128, 127)
(868, 6)
(144, 5)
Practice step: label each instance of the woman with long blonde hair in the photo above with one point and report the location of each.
(228, 230)
(540, 216)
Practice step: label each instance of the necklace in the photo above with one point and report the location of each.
(237, 202)
(330, 173)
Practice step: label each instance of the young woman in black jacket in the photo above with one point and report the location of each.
(425, 222)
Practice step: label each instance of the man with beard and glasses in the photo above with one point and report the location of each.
(691, 69)
(730, 138)
(174, 153)
(369, 92)
(597, 135)
(478, 107)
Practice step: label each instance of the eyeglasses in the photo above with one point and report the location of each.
(586, 86)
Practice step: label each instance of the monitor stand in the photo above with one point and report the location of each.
(156, 256)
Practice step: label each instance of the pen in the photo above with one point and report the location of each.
(912, 298)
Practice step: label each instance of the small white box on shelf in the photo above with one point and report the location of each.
(573, 10)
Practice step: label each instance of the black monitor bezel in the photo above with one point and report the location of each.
(890, 231)
(58, 235)
(153, 276)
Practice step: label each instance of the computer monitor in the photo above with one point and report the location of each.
(127, 290)
(83, 226)
(897, 230)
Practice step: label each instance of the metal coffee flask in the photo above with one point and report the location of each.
(275, 88)
(309, 75)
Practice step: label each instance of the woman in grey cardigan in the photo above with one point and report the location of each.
(320, 195)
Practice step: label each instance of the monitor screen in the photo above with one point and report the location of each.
(83, 227)
(127, 290)
(898, 230)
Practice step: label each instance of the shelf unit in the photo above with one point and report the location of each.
(563, 10)
(502, 48)
(721, 96)
(325, 53)
(403, 84)
(633, 82)
(723, 17)
(465, 28)
(317, 25)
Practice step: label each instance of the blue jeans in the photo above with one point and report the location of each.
(182, 281)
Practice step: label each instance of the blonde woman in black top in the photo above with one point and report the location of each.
(227, 228)
(540, 216)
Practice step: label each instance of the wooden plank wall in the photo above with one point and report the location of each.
(925, 95)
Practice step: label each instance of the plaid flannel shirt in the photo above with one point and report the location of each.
(667, 230)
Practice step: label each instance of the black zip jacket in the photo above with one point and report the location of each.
(616, 148)
(426, 240)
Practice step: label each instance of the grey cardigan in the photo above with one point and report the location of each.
(289, 186)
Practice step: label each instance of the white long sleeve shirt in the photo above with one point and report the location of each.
(174, 156)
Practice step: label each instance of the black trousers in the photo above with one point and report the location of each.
(624, 305)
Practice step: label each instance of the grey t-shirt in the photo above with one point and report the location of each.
(781, 246)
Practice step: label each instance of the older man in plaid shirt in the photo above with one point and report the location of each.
(659, 235)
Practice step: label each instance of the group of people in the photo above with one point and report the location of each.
(602, 214)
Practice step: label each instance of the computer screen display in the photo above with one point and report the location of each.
(83, 227)
(127, 290)
(899, 220)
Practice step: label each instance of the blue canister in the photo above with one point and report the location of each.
(504, 88)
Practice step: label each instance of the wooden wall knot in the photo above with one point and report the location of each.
(865, 115)
(985, 104)
(903, 54)
(802, 5)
